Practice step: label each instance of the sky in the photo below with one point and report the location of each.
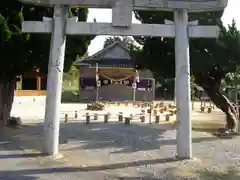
(105, 15)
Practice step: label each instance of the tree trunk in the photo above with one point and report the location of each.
(6, 100)
(223, 103)
(211, 86)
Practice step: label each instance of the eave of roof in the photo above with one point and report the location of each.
(92, 57)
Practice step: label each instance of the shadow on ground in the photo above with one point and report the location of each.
(208, 126)
(97, 136)
(230, 173)
(128, 138)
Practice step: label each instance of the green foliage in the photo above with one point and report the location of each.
(70, 87)
(5, 33)
(125, 40)
(70, 96)
(231, 83)
(210, 58)
(73, 73)
(71, 79)
(12, 40)
(20, 52)
(232, 79)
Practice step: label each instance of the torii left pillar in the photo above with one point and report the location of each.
(184, 134)
(54, 81)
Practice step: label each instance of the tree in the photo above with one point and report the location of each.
(231, 83)
(125, 40)
(72, 74)
(21, 52)
(211, 59)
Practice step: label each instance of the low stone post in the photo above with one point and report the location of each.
(157, 119)
(120, 117)
(76, 114)
(161, 110)
(142, 116)
(87, 118)
(154, 112)
(95, 116)
(209, 109)
(167, 117)
(106, 118)
(127, 120)
(150, 115)
(66, 118)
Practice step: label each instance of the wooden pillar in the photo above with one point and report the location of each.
(19, 83)
(38, 83)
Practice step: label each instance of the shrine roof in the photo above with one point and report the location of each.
(116, 53)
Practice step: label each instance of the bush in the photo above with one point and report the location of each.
(95, 106)
(70, 96)
(14, 121)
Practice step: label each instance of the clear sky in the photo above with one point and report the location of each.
(105, 15)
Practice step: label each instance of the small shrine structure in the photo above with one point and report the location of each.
(31, 83)
(117, 75)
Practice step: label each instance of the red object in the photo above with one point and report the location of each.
(35, 72)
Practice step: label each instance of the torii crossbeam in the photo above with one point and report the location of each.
(166, 5)
(121, 24)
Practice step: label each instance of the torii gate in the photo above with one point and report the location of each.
(121, 25)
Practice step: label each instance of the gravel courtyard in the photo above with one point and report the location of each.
(116, 151)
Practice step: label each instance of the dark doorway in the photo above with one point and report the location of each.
(43, 83)
(29, 84)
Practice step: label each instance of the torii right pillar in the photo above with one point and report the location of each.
(183, 31)
(183, 94)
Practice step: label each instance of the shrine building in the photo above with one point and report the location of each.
(31, 83)
(116, 76)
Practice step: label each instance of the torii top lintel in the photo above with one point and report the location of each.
(165, 5)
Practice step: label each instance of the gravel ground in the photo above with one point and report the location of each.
(116, 151)
(113, 151)
(35, 107)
